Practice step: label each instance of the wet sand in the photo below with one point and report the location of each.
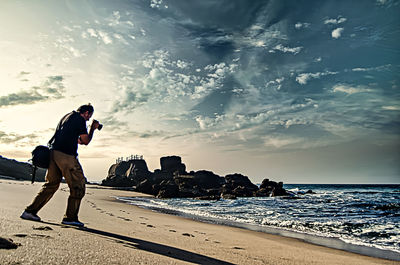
(118, 233)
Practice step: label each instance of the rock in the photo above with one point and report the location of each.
(263, 192)
(8, 244)
(127, 173)
(271, 188)
(228, 196)
(172, 164)
(238, 185)
(169, 189)
(172, 181)
(236, 180)
(209, 197)
(208, 180)
(19, 170)
(146, 186)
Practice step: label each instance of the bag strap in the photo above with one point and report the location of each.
(34, 174)
(58, 128)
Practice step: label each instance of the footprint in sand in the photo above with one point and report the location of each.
(173, 231)
(238, 248)
(187, 234)
(33, 236)
(43, 228)
(20, 235)
(125, 219)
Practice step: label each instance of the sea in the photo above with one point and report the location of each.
(361, 218)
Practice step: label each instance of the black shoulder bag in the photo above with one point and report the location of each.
(41, 157)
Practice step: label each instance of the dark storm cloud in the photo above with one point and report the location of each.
(52, 88)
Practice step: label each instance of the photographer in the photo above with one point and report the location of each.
(70, 132)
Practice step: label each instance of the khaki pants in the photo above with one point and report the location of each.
(62, 165)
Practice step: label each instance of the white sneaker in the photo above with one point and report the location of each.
(30, 216)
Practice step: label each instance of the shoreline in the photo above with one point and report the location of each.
(119, 233)
(330, 242)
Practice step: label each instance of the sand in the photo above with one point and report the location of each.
(118, 233)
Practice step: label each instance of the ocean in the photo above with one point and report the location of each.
(361, 218)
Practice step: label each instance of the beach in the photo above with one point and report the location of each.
(119, 233)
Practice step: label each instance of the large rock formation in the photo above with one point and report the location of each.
(127, 173)
(19, 170)
(172, 181)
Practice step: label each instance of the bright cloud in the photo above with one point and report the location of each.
(284, 49)
(337, 33)
(305, 77)
(335, 21)
(300, 25)
(344, 88)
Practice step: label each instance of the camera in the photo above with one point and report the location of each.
(100, 127)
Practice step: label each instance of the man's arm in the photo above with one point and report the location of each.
(86, 138)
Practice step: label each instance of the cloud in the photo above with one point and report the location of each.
(300, 25)
(277, 83)
(159, 79)
(52, 88)
(337, 33)
(284, 49)
(105, 37)
(348, 89)
(368, 69)
(157, 4)
(394, 108)
(280, 142)
(8, 138)
(305, 77)
(335, 21)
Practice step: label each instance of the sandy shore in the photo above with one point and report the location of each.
(118, 233)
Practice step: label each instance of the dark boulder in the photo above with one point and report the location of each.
(172, 164)
(239, 186)
(169, 189)
(127, 173)
(208, 180)
(271, 188)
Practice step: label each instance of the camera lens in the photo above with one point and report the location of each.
(100, 127)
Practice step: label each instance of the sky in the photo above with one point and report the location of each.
(293, 91)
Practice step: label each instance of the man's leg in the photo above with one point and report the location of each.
(73, 174)
(53, 179)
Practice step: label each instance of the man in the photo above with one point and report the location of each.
(70, 132)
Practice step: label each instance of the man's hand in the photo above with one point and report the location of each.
(86, 138)
(95, 124)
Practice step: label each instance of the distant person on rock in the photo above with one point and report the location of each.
(70, 132)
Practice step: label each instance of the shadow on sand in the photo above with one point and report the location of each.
(152, 247)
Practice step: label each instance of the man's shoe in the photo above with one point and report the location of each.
(30, 216)
(72, 222)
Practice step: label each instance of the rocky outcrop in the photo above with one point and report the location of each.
(271, 188)
(19, 170)
(127, 173)
(172, 181)
(172, 164)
